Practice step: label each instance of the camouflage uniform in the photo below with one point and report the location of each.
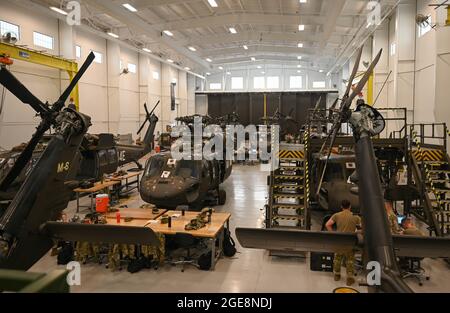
(117, 252)
(393, 223)
(346, 222)
(157, 253)
(83, 250)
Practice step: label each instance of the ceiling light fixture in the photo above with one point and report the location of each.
(207, 74)
(170, 60)
(299, 57)
(300, 45)
(220, 68)
(228, 73)
(209, 60)
(147, 50)
(253, 59)
(245, 47)
(113, 35)
(60, 11)
(259, 66)
(303, 1)
(187, 68)
(192, 49)
(299, 66)
(168, 33)
(301, 27)
(233, 30)
(212, 3)
(129, 7)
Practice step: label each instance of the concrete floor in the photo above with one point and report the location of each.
(249, 271)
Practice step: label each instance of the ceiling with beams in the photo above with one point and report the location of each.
(266, 31)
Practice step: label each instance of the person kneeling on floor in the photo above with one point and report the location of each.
(345, 222)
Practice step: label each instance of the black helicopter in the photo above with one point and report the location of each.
(99, 155)
(168, 183)
(376, 240)
(28, 223)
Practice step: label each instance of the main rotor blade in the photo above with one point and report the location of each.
(77, 77)
(317, 104)
(355, 70)
(146, 110)
(24, 157)
(154, 108)
(363, 80)
(142, 126)
(11, 83)
(333, 139)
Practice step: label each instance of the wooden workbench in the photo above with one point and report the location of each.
(98, 187)
(140, 217)
(128, 185)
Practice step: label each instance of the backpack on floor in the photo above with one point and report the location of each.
(204, 261)
(229, 246)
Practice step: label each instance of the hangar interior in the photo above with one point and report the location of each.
(311, 68)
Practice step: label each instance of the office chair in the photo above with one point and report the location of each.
(411, 267)
(185, 242)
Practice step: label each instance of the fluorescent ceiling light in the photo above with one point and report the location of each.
(170, 60)
(212, 3)
(228, 73)
(209, 60)
(303, 1)
(60, 11)
(147, 50)
(233, 30)
(320, 71)
(187, 68)
(299, 57)
(253, 59)
(168, 33)
(245, 47)
(259, 66)
(192, 49)
(220, 68)
(299, 71)
(113, 35)
(301, 27)
(299, 65)
(207, 74)
(263, 72)
(300, 45)
(129, 7)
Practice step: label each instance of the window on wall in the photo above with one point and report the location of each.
(237, 82)
(425, 27)
(295, 82)
(319, 84)
(259, 82)
(393, 49)
(215, 86)
(155, 75)
(132, 68)
(6, 27)
(273, 82)
(42, 40)
(78, 52)
(98, 57)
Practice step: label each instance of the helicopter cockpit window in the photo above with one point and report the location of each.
(188, 169)
(155, 167)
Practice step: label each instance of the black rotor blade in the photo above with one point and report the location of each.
(24, 157)
(363, 80)
(154, 108)
(146, 110)
(355, 70)
(142, 126)
(11, 83)
(77, 77)
(333, 139)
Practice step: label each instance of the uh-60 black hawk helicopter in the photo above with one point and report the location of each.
(376, 240)
(192, 181)
(28, 224)
(99, 154)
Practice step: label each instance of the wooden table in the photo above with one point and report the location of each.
(211, 232)
(140, 217)
(99, 186)
(127, 183)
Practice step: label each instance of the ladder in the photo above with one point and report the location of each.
(287, 206)
(431, 173)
